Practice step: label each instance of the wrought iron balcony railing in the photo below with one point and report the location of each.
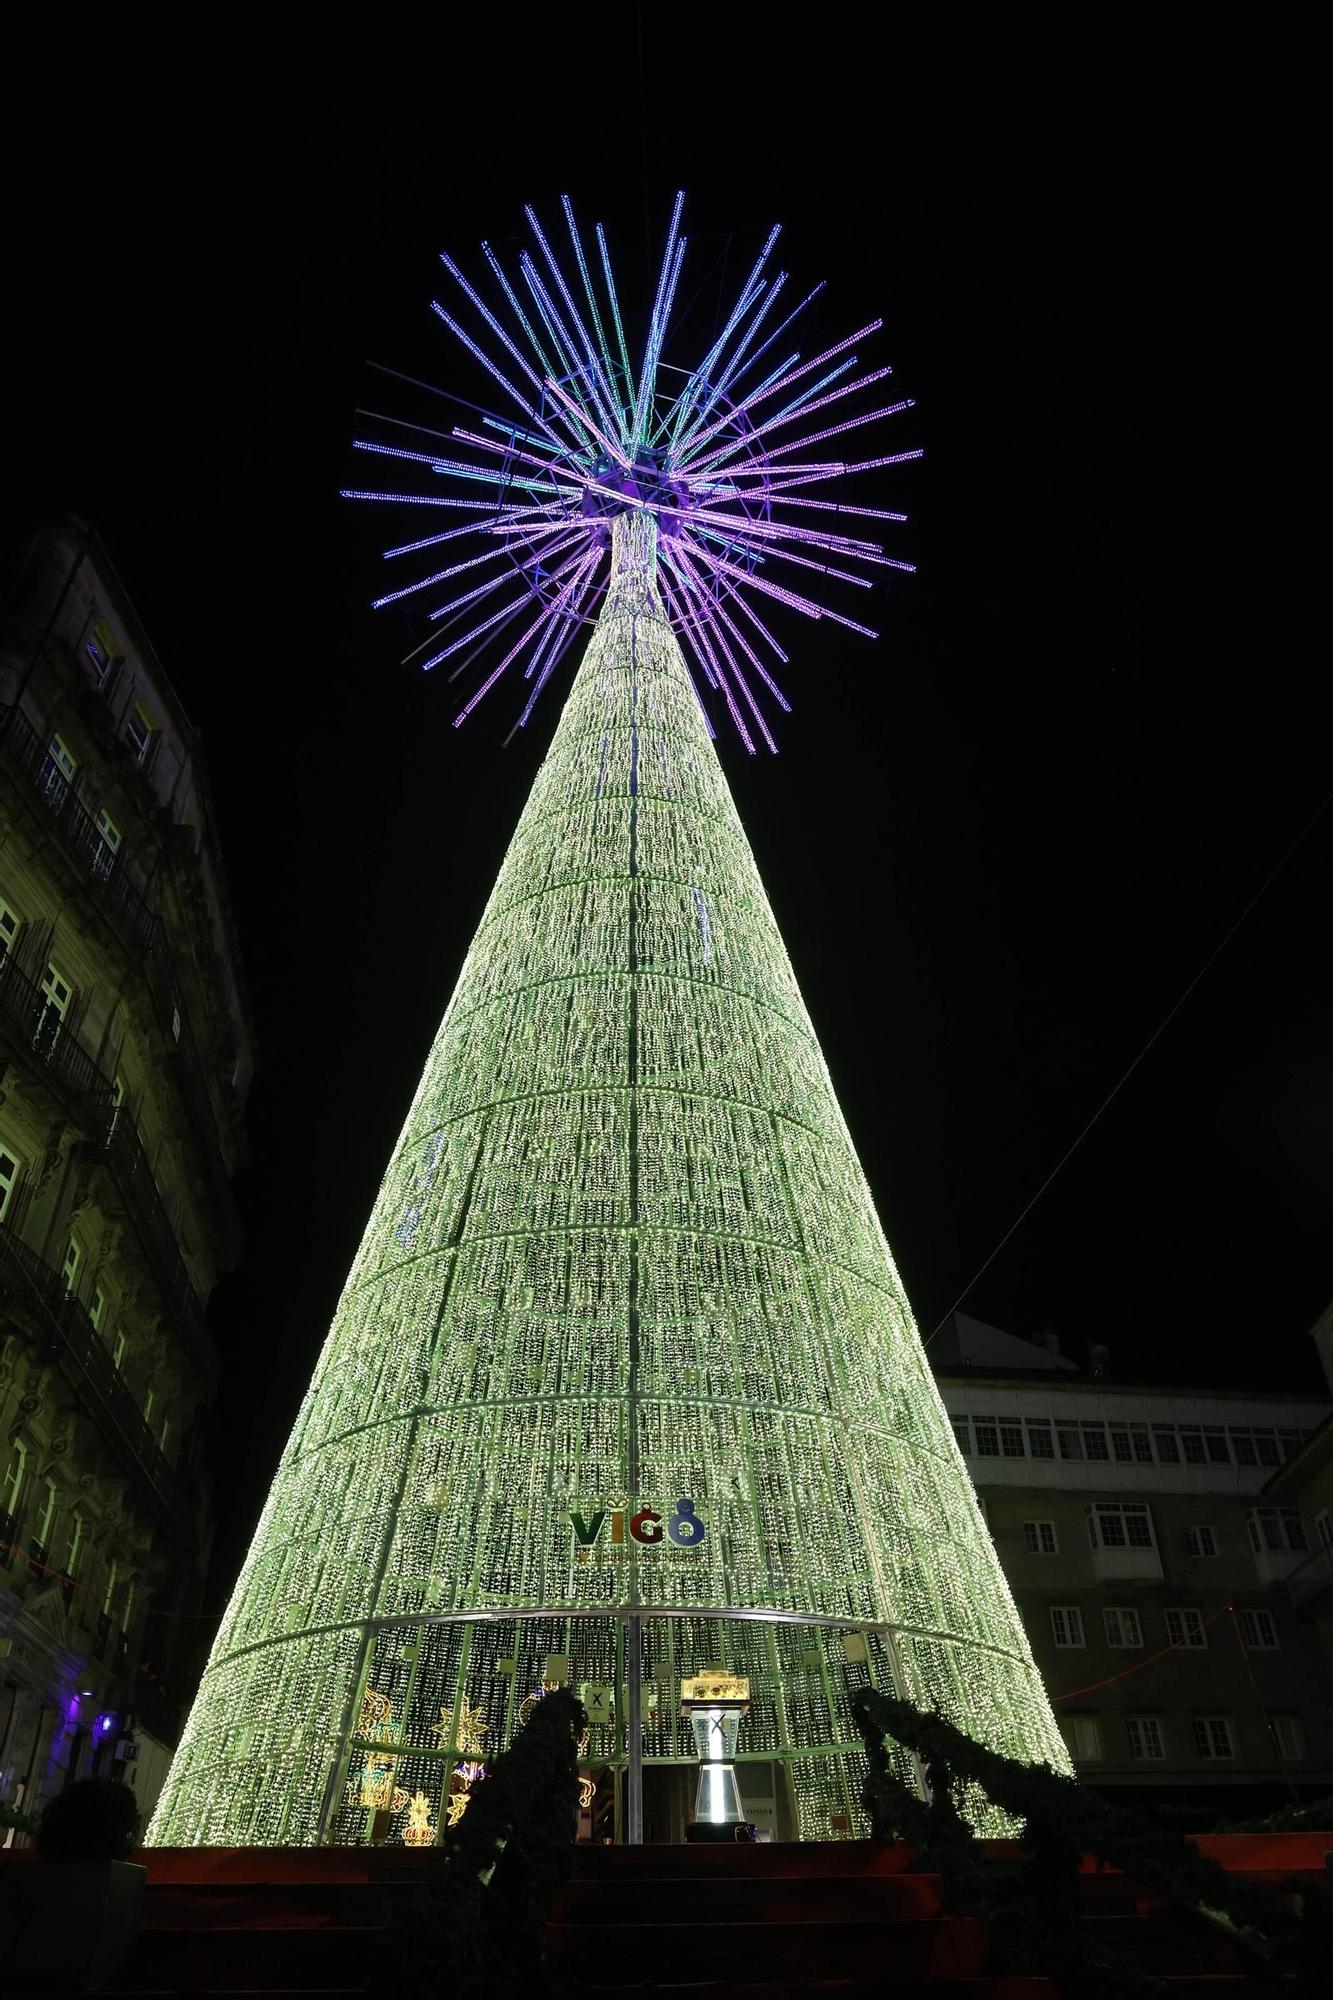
(86, 1092)
(31, 1286)
(29, 754)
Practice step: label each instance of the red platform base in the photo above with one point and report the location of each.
(836, 1921)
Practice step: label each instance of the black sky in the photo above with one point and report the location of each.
(1000, 842)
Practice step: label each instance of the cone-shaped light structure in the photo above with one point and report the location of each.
(623, 1383)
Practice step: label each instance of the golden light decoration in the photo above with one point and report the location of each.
(472, 1726)
(456, 1805)
(587, 1792)
(419, 1831)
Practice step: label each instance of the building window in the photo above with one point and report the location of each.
(1288, 1736)
(1254, 1447)
(1122, 1626)
(1120, 1524)
(1094, 1441)
(10, 1164)
(988, 1438)
(1040, 1442)
(56, 772)
(1258, 1630)
(12, 1490)
(109, 1594)
(117, 1099)
(166, 1433)
(1145, 1739)
(1039, 1538)
(1276, 1529)
(57, 992)
(1083, 1737)
(108, 843)
(139, 733)
(1184, 1626)
(1130, 1444)
(97, 1309)
(127, 1609)
(1011, 1440)
(10, 926)
(1066, 1625)
(148, 1403)
(74, 1548)
(69, 1270)
(46, 1519)
(118, 1349)
(1323, 1520)
(1200, 1541)
(962, 1431)
(1212, 1736)
(1071, 1444)
(1168, 1447)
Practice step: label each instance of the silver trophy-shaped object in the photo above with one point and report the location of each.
(715, 1704)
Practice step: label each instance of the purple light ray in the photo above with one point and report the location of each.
(770, 388)
(595, 380)
(491, 368)
(709, 611)
(505, 611)
(800, 408)
(719, 610)
(508, 659)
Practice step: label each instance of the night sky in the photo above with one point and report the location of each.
(1000, 842)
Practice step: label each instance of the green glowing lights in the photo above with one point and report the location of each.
(623, 1257)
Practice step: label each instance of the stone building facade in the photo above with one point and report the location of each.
(1151, 1538)
(125, 1057)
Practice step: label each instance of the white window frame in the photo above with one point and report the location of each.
(74, 1547)
(136, 720)
(1210, 1730)
(1122, 1512)
(1258, 1629)
(127, 1608)
(15, 1473)
(109, 1594)
(45, 1524)
(1277, 1531)
(1067, 1627)
(56, 772)
(1185, 1627)
(1201, 1540)
(1040, 1538)
(1146, 1739)
(1123, 1627)
(97, 1308)
(118, 1347)
(11, 928)
(9, 1180)
(69, 1268)
(1323, 1523)
(109, 837)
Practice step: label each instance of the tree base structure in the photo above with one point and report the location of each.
(623, 1385)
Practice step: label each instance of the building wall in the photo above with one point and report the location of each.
(125, 1055)
(1151, 1569)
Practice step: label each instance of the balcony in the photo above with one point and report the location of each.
(26, 752)
(29, 1286)
(85, 1092)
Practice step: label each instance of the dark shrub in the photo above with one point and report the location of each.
(96, 1819)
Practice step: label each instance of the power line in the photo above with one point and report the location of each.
(1116, 1088)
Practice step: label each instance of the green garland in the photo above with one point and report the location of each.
(1032, 1905)
(484, 1910)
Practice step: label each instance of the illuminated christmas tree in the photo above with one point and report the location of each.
(623, 1384)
